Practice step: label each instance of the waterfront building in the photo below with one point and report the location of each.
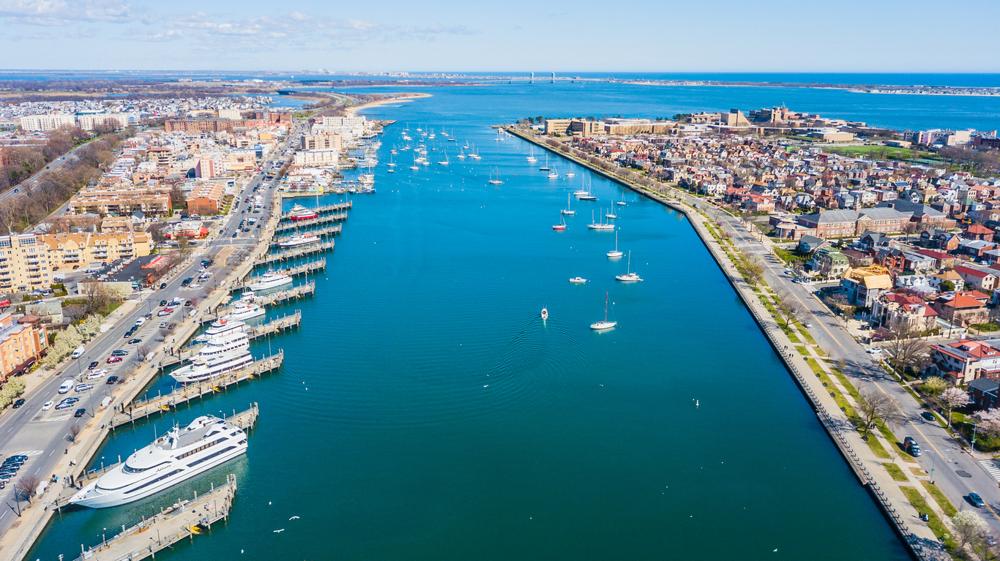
(22, 341)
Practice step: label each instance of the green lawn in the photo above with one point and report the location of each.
(942, 501)
(934, 522)
(876, 152)
(895, 471)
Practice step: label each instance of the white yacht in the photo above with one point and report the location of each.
(301, 239)
(173, 458)
(226, 348)
(630, 275)
(270, 280)
(244, 310)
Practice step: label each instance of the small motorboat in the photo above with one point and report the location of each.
(578, 280)
(545, 314)
(559, 227)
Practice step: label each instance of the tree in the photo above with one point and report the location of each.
(25, 487)
(970, 528)
(947, 286)
(909, 352)
(752, 270)
(787, 310)
(874, 407)
(988, 422)
(953, 397)
(934, 385)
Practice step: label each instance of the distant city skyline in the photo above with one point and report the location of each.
(516, 35)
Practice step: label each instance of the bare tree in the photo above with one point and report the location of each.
(142, 352)
(788, 310)
(25, 487)
(909, 352)
(875, 407)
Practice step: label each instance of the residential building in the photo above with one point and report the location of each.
(907, 313)
(829, 263)
(966, 360)
(863, 285)
(22, 342)
(206, 198)
(964, 308)
(48, 122)
(24, 263)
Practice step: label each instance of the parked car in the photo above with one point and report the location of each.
(92, 365)
(119, 352)
(114, 359)
(112, 380)
(47, 405)
(911, 446)
(80, 412)
(80, 388)
(66, 403)
(18, 403)
(928, 416)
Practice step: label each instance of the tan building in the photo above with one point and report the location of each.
(321, 141)
(49, 122)
(557, 126)
(24, 263)
(115, 121)
(206, 198)
(22, 342)
(151, 201)
(317, 157)
(76, 250)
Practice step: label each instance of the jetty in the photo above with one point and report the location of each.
(162, 403)
(324, 231)
(182, 521)
(289, 226)
(325, 209)
(280, 256)
(294, 271)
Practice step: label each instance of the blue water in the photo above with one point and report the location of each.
(425, 412)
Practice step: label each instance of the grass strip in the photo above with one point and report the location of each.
(895, 471)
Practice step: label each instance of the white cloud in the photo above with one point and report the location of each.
(49, 12)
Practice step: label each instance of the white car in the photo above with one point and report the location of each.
(95, 374)
(140, 321)
(47, 405)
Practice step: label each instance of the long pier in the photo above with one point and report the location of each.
(289, 226)
(295, 293)
(297, 270)
(273, 327)
(325, 209)
(325, 231)
(170, 401)
(183, 520)
(280, 256)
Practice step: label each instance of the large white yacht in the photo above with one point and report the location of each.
(176, 456)
(296, 241)
(227, 347)
(244, 310)
(270, 280)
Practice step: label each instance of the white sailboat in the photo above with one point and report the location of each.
(531, 156)
(601, 226)
(553, 174)
(629, 276)
(546, 166)
(445, 161)
(615, 253)
(495, 180)
(604, 324)
(568, 211)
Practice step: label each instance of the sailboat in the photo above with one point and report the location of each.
(473, 154)
(546, 166)
(604, 324)
(621, 202)
(445, 161)
(561, 226)
(567, 211)
(461, 155)
(586, 195)
(553, 174)
(610, 215)
(601, 226)
(629, 276)
(495, 180)
(414, 167)
(531, 157)
(615, 253)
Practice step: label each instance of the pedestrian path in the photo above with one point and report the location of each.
(992, 467)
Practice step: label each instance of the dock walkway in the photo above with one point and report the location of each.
(325, 209)
(183, 520)
(289, 226)
(168, 402)
(306, 268)
(280, 256)
(322, 232)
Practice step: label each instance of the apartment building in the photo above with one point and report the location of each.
(22, 342)
(151, 201)
(24, 263)
(321, 141)
(48, 122)
(75, 250)
(206, 198)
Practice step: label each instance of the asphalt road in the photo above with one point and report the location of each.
(58, 163)
(956, 472)
(42, 434)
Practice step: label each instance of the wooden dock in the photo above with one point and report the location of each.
(325, 209)
(280, 256)
(169, 402)
(294, 271)
(300, 291)
(183, 520)
(290, 226)
(323, 232)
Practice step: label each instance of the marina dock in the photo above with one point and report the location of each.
(325, 231)
(326, 209)
(278, 325)
(289, 226)
(184, 520)
(297, 270)
(280, 256)
(168, 402)
(300, 291)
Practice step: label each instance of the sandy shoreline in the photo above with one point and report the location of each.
(397, 98)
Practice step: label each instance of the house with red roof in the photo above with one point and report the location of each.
(979, 232)
(964, 361)
(964, 308)
(903, 311)
(978, 278)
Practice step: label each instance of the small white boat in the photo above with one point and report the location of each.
(630, 275)
(495, 180)
(553, 175)
(531, 157)
(604, 324)
(600, 226)
(545, 314)
(567, 211)
(578, 280)
(615, 253)
(610, 215)
(570, 174)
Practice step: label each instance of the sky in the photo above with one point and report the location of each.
(502, 35)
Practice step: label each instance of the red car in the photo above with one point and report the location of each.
(114, 359)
